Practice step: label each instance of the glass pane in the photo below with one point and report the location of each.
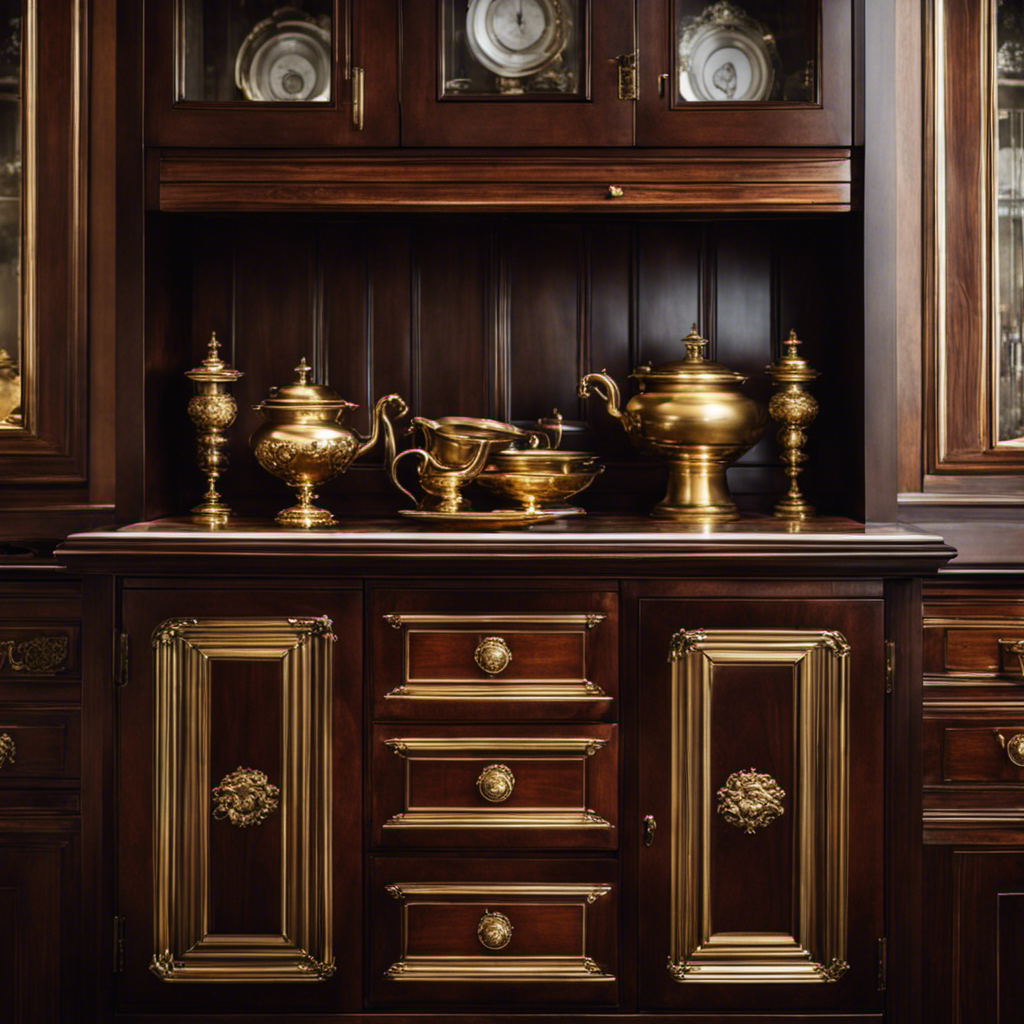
(1010, 218)
(510, 48)
(10, 213)
(258, 50)
(764, 50)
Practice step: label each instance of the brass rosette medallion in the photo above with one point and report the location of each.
(245, 797)
(494, 930)
(750, 800)
(496, 783)
(493, 655)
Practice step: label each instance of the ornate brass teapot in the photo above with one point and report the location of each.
(692, 412)
(304, 443)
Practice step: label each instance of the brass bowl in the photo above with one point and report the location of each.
(539, 479)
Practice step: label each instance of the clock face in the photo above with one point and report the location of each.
(515, 38)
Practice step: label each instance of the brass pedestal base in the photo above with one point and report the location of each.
(305, 514)
(698, 491)
(793, 506)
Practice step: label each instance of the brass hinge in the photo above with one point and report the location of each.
(123, 650)
(883, 963)
(890, 664)
(627, 76)
(358, 98)
(118, 945)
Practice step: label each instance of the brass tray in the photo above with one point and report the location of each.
(497, 518)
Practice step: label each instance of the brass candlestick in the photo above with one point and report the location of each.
(795, 409)
(212, 409)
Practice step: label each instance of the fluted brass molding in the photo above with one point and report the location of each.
(38, 655)
(244, 797)
(487, 966)
(493, 655)
(300, 949)
(750, 800)
(417, 688)
(494, 930)
(7, 749)
(817, 951)
(433, 748)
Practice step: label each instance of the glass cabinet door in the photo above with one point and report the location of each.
(271, 73)
(750, 72)
(516, 73)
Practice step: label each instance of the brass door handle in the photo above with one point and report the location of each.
(1015, 647)
(7, 749)
(650, 827)
(493, 655)
(244, 797)
(494, 930)
(496, 783)
(1014, 747)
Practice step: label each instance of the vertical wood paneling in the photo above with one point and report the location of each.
(389, 321)
(669, 289)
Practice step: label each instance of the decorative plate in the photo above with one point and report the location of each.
(286, 58)
(725, 55)
(514, 38)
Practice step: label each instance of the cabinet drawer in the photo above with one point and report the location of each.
(483, 932)
(487, 786)
(39, 744)
(961, 749)
(524, 654)
(984, 645)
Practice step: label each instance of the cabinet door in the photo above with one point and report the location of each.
(515, 73)
(760, 73)
(761, 766)
(267, 74)
(239, 825)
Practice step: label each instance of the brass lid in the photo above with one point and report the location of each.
(792, 368)
(303, 395)
(694, 369)
(213, 369)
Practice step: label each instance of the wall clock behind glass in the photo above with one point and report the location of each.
(515, 38)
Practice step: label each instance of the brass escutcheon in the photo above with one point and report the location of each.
(493, 655)
(494, 930)
(7, 749)
(496, 783)
(244, 797)
(750, 800)
(1014, 747)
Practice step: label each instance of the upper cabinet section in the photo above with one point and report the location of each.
(756, 73)
(518, 73)
(268, 73)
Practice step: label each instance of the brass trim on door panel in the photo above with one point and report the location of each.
(185, 949)
(817, 950)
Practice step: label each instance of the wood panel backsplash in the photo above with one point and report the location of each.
(500, 316)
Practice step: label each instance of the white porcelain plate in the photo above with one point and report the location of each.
(724, 56)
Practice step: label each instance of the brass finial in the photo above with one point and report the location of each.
(303, 371)
(695, 345)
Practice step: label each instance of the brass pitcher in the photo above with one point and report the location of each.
(692, 412)
(304, 443)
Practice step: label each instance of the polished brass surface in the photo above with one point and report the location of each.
(498, 780)
(496, 783)
(212, 409)
(615, 192)
(245, 797)
(300, 948)
(493, 519)
(304, 443)
(494, 930)
(493, 655)
(37, 656)
(795, 409)
(650, 828)
(420, 688)
(7, 749)
(750, 800)
(1014, 647)
(538, 478)
(693, 413)
(816, 951)
(1014, 747)
(484, 967)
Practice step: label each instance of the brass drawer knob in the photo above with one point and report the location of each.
(496, 783)
(493, 655)
(615, 192)
(7, 749)
(494, 930)
(1014, 747)
(1014, 647)
(244, 797)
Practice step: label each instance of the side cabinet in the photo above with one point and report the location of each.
(239, 867)
(761, 789)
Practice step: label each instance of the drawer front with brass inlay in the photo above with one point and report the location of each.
(41, 744)
(469, 931)
(479, 786)
(458, 655)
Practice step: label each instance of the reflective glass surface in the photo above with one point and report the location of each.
(10, 213)
(754, 51)
(255, 50)
(516, 48)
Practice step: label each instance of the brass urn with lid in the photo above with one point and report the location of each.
(305, 444)
(692, 412)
